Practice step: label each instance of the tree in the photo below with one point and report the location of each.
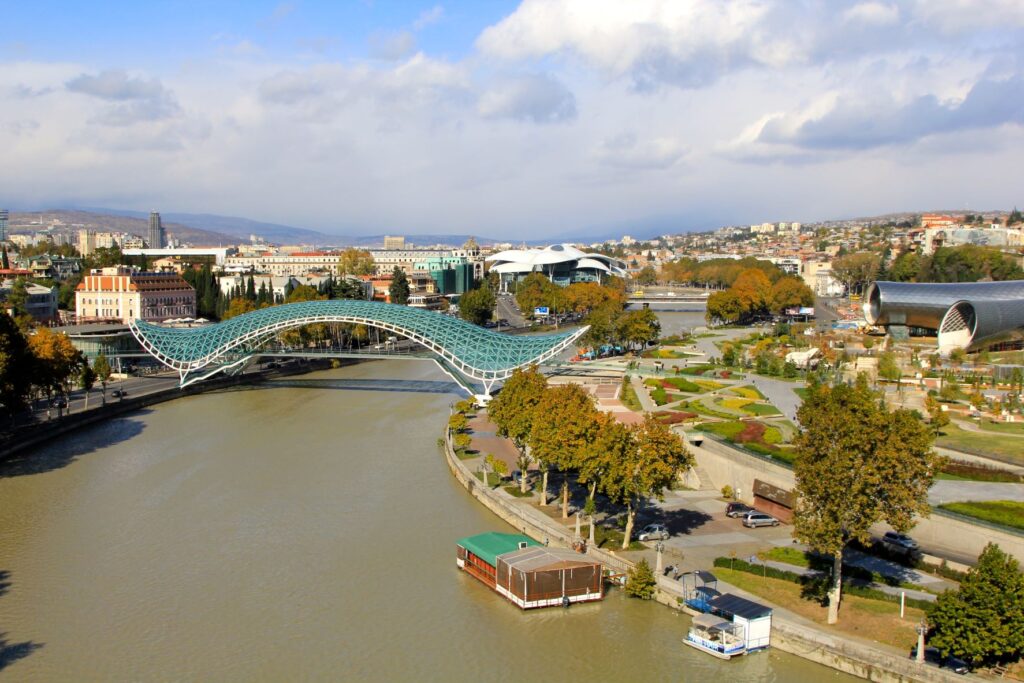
(889, 369)
(101, 366)
(57, 360)
(398, 291)
(790, 292)
(512, 411)
(980, 622)
(938, 417)
(612, 441)
(724, 307)
(477, 305)
(4, 261)
(906, 267)
(857, 464)
(969, 263)
(18, 298)
(647, 276)
(856, 270)
(536, 290)
(564, 425)
(239, 306)
(640, 581)
(17, 366)
(754, 291)
(250, 289)
(646, 469)
(458, 423)
(356, 262)
(639, 328)
(86, 378)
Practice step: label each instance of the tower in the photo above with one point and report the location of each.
(3, 225)
(157, 236)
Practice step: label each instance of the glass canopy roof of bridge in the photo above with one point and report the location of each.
(477, 352)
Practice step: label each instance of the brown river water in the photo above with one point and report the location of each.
(301, 530)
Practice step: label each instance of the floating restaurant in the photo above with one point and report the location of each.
(527, 573)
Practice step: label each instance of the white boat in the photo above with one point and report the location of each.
(717, 636)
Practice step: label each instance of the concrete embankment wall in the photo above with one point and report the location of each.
(816, 646)
(726, 465)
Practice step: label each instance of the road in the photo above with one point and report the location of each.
(507, 309)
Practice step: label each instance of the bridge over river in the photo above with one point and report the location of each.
(466, 352)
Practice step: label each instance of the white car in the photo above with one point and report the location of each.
(653, 532)
(756, 519)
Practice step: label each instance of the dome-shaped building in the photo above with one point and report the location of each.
(563, 264)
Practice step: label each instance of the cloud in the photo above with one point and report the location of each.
(628, 152)
(391, 46)
(428, 17)
(133, 100)
(536, 98)
(872, 14)
(856, 124)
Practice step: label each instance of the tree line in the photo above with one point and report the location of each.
(755, 294)
(559, 427)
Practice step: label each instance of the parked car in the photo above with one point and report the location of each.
(737, 510)
(898, 541)
(932, 655)
(119, 393)
(653, 532)
(517, 476)
(756, 519)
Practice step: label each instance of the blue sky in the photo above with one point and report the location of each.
(514, 118)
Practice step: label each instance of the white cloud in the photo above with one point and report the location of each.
(391, 46)
(428, 17)
(628, 152)
(872, 14)
(536, 98)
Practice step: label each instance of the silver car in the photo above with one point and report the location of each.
(756, 519)
(653, 532)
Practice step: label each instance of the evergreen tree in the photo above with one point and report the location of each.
(983, 620)
(640, 581)
(6, 264)
(262, 296)
(16, 366)
(399, 289)
(250, 288)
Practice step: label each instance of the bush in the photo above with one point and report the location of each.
(772, 435)
(727, 491)
(640, 581)
(680, 384)
(659, 396)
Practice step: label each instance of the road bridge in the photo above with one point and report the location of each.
(466, 352)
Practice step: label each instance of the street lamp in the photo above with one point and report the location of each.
(922, 629)
(659, 547)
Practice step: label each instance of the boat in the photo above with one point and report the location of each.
(717, 636)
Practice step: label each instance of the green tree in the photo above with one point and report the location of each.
(477, 305)
(87, 379)
(889, 369)
(536, 290)
(646, 469)
(647, 276)
(512, 411)
(612, 441)
(18, 298)
(250, 288)
(5, 263)
(398, 290)
(969, 263)
(640, 581)
(856, 270)
(983, 620)
(101, 366)
(938, 417)
(564, 425)
(639, 328)
(458, 423)
(857, 464)
(356, 262)
(906, 267)
(728, 355)
(17, 367)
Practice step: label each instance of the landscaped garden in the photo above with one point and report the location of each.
(1008, 513)
(999, 446)
(752, 435)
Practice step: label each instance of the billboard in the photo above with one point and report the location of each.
(541, 311)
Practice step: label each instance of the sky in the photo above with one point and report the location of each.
(514, 120)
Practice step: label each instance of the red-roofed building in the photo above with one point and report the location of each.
(120, 293)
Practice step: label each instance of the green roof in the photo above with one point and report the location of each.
(488, 546)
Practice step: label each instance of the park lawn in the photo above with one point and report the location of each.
(707, 385)
(762, 409)
(1000, 446)
(629, 399)
(801, 392)
(734, 403)
(874, 620)
(1004, 428)
(726, 430)
(748, 391)
(1006, 512)
(787, 555)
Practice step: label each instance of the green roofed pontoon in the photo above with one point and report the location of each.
(472, 351)
(488, 546)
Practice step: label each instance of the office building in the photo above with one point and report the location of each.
(120, 293)
(394, 242)
(157, 236)
(4, 216)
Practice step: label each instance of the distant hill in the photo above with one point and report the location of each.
(75, 219)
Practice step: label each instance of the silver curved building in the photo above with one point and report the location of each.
(967, 315)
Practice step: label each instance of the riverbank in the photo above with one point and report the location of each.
(791, 633)
(43, 432)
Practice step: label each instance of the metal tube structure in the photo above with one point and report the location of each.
(972, 325)
(925, 304)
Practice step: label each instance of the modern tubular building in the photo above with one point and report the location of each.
(967, 315)
(563, 264)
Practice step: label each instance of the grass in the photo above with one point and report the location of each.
(874, 620)
(466, 453)
(753, 436)
(493, 480)
(1008, 513)
(802, 392)
(516, 493)
(701, 409)
(1000, 446)
(762, 409)
(748, 391)
(787, 555)
(628, 397)
(611, 539)
(681, 384)
(708, 385)
(1004, 428)
(734, 403)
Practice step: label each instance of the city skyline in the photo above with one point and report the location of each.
(520, 118)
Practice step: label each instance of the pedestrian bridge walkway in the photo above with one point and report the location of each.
(457, 346)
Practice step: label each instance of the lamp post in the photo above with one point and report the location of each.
(660, 548)
(922, 629)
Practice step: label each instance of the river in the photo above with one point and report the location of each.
(300, 530)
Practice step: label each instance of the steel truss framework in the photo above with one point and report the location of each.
(476, 353)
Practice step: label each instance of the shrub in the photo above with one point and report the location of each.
(752, 431)
(727, 491)
(640, 581)
(772, 435)
(680, 384)
(659, 396)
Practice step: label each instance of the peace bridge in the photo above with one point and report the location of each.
(463, 350)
